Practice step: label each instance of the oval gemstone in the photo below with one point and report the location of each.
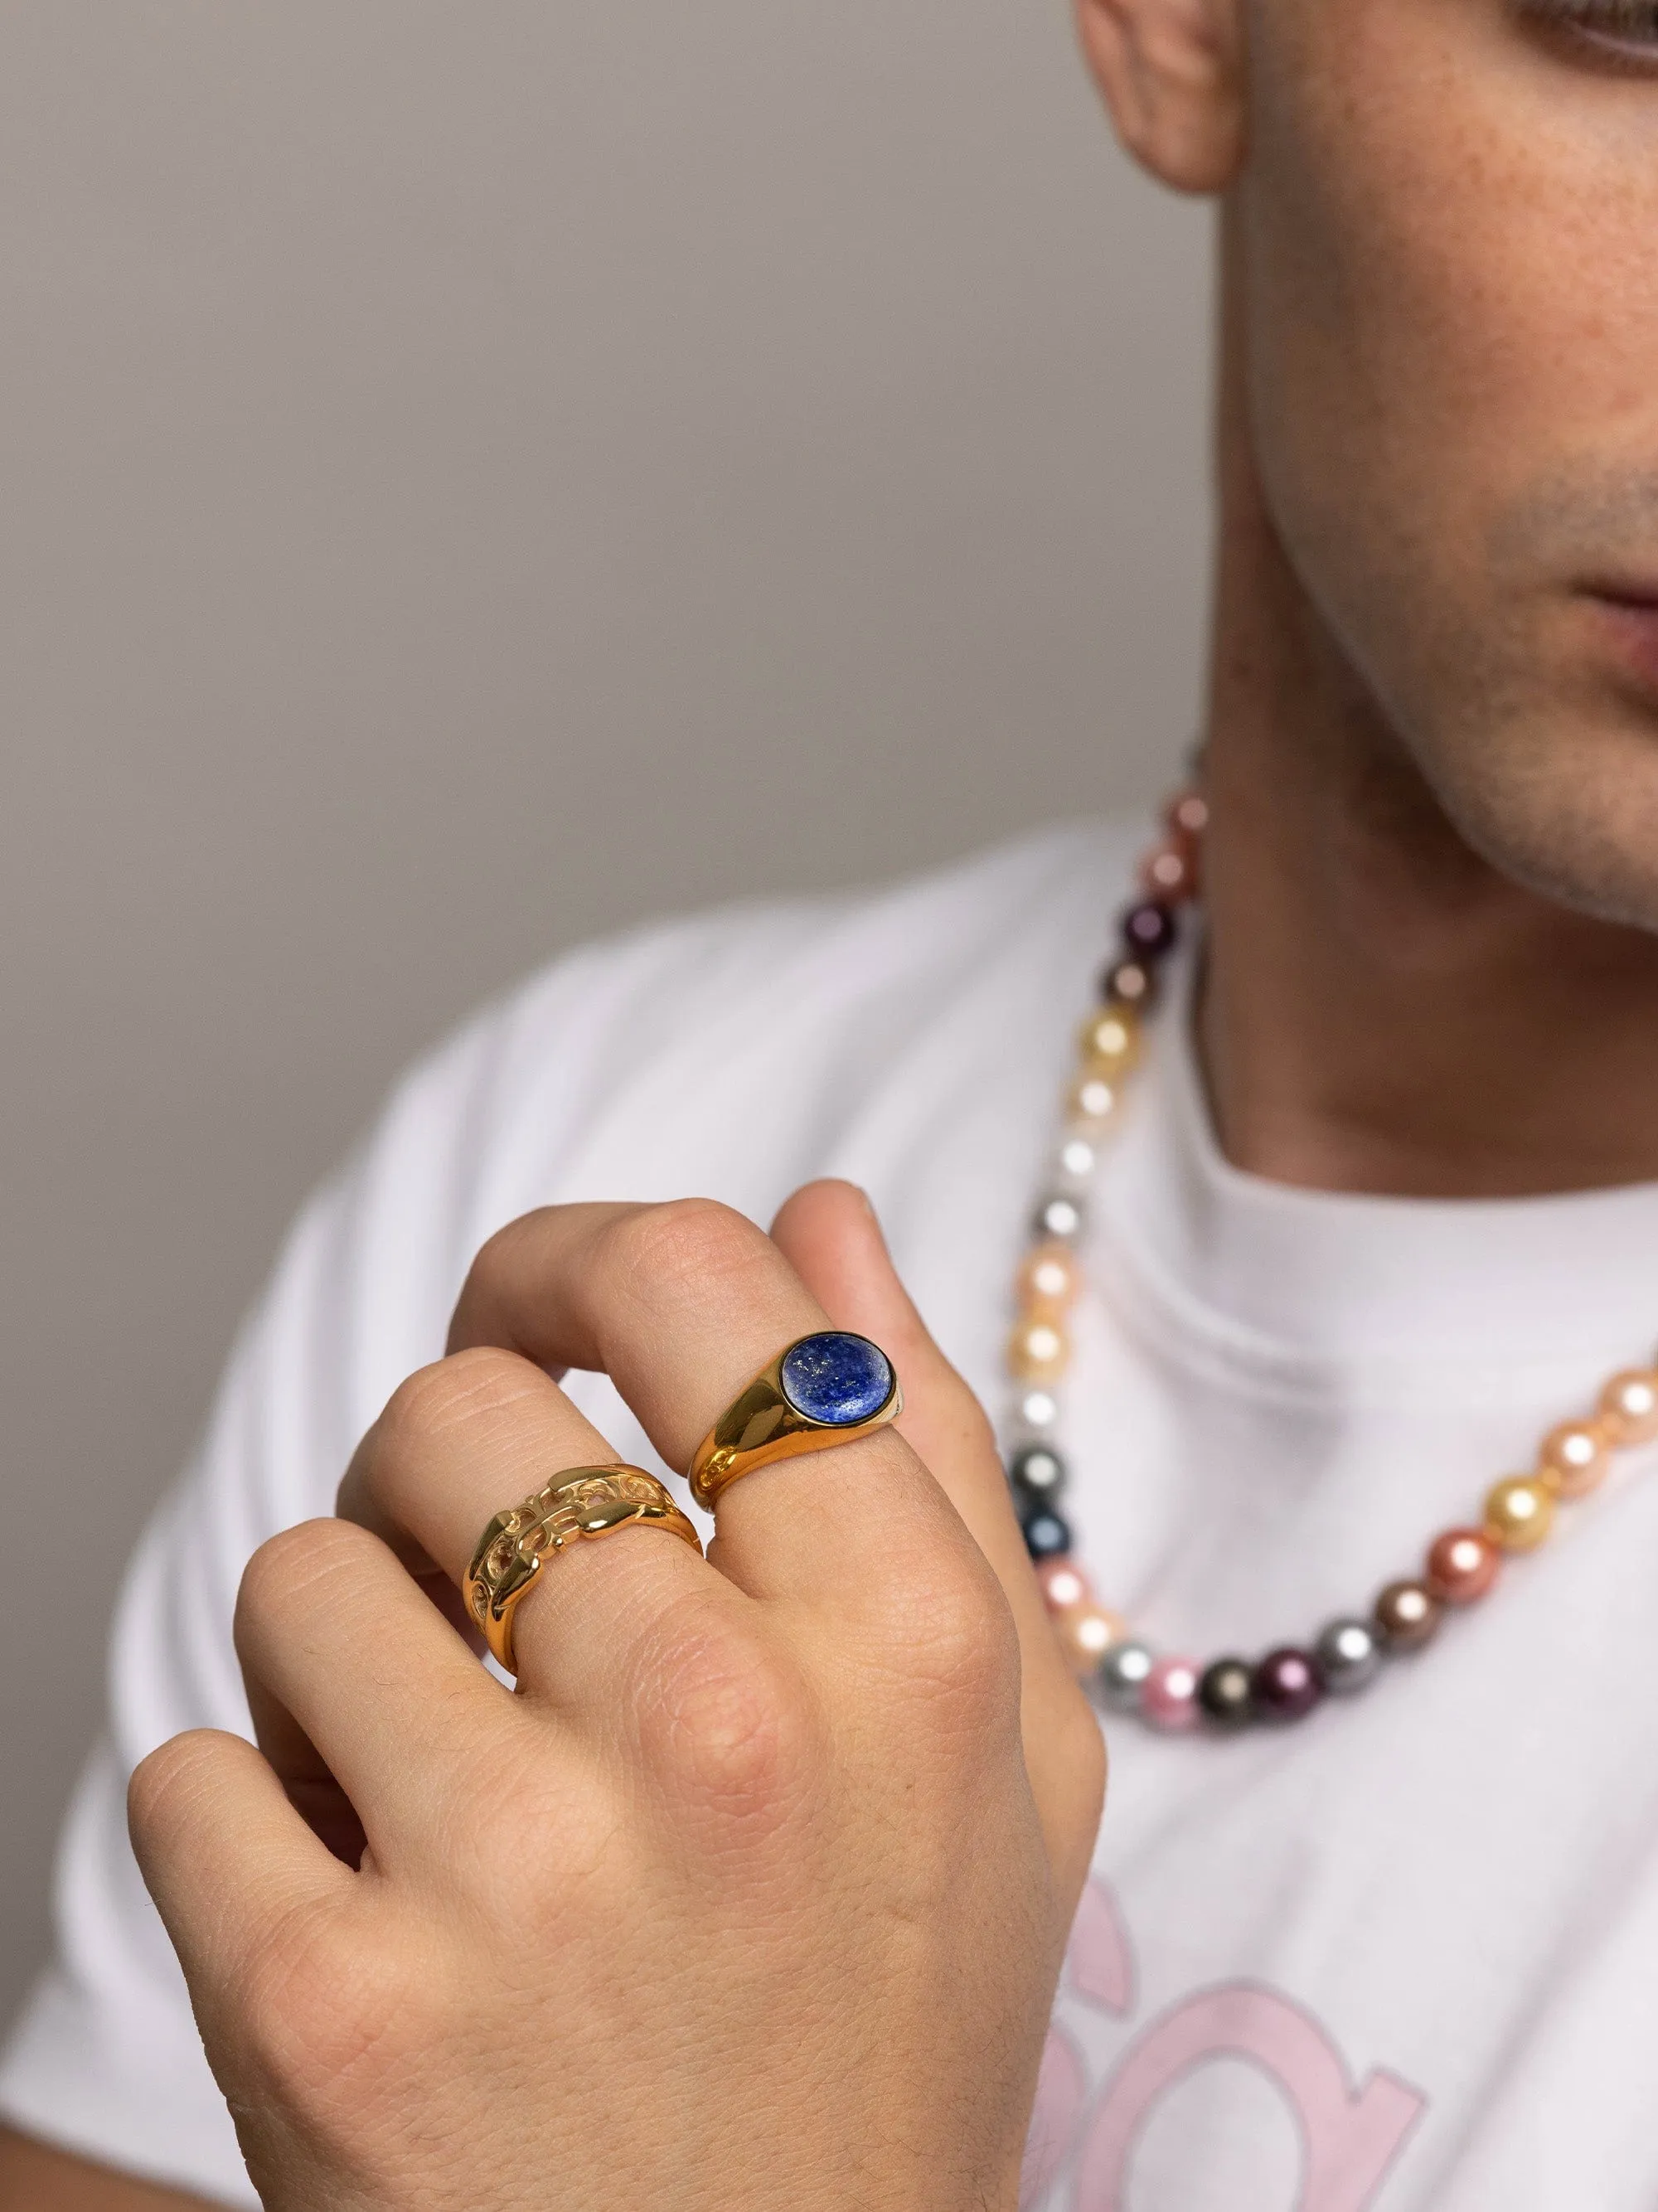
(837, 1378)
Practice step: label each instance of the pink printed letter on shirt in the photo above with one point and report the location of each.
(1349, 2138)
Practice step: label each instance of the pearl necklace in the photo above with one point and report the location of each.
(1462, 1563)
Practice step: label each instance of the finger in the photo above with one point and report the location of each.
(681, 1305)
(829, 1232)
(223, 1854)
(332, 1633)
(476, 1434)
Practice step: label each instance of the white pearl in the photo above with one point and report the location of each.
(1077, 1159)
(1038, 1410)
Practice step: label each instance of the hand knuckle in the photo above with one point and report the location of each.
(686, 1242)
(166, 1784)
(944, 1619)
(466, 1388)
(729, 1721)
(329, 2015)
(287, 1567)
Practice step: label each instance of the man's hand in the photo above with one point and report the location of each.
(754, 1894)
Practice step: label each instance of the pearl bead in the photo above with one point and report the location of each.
(1092, 1098)
(1287, 1685)
(1109, 1042)
(1406, 1616)
(1348, 1656)
(1047, 1534)
(1629, 1408)
(1059, 1217)
(1129, 983)
(1187, 812)
(1038, 1471)
(1063, 1585)
(1148, 930)
(1122, 1674)
(1462, 1564)
(1078, 1156)
(1167, 873)
(1039, 1411)
(1048, 1280)
(1573, 1458)
(1168, 1699)
(1520, 1513)
(1226, 1693)
(1087, 1632)
(1038, 1351)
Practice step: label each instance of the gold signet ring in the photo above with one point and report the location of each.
(583, 1501)
(827, 1389)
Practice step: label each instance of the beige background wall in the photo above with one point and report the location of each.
(474, 473)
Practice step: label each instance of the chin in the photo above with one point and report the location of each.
(1565, 805)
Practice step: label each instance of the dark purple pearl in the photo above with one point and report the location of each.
(1149, 929)
(1287, 1685)
(1047, 1536)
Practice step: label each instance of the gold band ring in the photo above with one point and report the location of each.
(583, 1501)
(827, 1389)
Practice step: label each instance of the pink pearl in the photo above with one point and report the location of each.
(1064, 1585)
(1168, 1699)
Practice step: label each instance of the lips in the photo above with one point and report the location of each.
(1629, 617)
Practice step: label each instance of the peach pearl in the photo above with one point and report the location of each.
(1048, 1280)
(1038, 1351)
(1086, 1633)
(1520, 1513)
(1167, 872)
(1109, 1042)
(1064, 1585)
(1168, 1696)
(1572, 1458)
(1462, 1564)
(1629, 1408)
(1186, 814)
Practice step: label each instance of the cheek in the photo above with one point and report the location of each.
(1449, 244)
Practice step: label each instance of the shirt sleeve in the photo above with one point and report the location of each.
(105, 2060)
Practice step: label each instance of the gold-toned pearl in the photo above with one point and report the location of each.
(1087, 1632)
(1109, 1043)
(1572, 1458)
(1519, 1513)
(1092, 1098)
(1047, 1281)
(1038, 1351)
(1629, 1408)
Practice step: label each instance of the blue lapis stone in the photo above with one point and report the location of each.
(837, 1378)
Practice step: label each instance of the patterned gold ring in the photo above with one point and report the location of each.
(827, 1389)
(583, 1501)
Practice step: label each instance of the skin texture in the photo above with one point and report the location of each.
(1432, 871)
(754, 1894)
(1431, 881)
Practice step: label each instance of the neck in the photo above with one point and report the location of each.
(1381, 1011)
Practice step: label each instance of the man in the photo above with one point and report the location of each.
(1378, 1217)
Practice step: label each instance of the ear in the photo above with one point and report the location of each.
(1172, 74)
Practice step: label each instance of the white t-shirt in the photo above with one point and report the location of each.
(1401, 1955)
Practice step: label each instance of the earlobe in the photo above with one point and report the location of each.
(1172, 75)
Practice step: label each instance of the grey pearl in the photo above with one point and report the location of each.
(1122, 1674)
(1348, 1656)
